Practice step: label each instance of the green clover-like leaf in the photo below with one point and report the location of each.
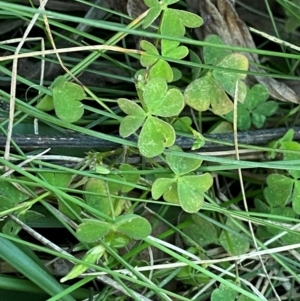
(224, 293)
(213, 55)
(279, 190)
(182, 165)
(161, 102)
(153, 13)
(135, 118)
(234, 244)
(191, 191)
(205, 91)
(146, 58)
(66, 100)
(92, 230)
(160, 186)
(161, 69)
(226, 78)
(155, 136)
(258, 94)
(133, 226)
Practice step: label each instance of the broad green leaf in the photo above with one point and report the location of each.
(91, 257)
(213, 55)
(189, 19)
(201, 231)
(135, 118)
(130, 178)
(146, 59)
(160, 186)
(25, 265)
(46, 104)
(9, 191)
(256, 95)
(155, 136)
(226, 78)
(221, 127)
(183, 124)
(152, 15)
(267, 109)
(289, 238)
(171, 195)
(58, 179)
(161, 102)
(133, 226)
(234, 244)
(191, 190)
(129, 107)
(161, 69)
(279, 190)
(170, 2)
(243, 117)
(151, 3)
(66, 99)
(171, 24)
(294, 146)
(130, 124)
(92, 230)
(5, 203)
(194, 58)
(258, 120)
(182, 165)
(224, 293)
(205, 91)
(177, 53)
(99, 199)
(296, 197)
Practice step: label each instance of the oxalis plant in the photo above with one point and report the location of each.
(154, 119)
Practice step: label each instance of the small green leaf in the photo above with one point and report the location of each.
(227, 79)
(91, 257)
(146, 59)
(9, 191)
(135, 118)
(279, 190)
(258, 120)
(92, 230)
(205, 91)
(155, 136)
(99, 198)
(177, 53)
(194, 58)
(161, 102)
(171, 195)
(234, 244)
(267, 109)
(66, 99)
(201, 231)
(5, 203)
(170, 2)
(224, 293)
(183, 124)
(293, 146)
(133, 226)
(182, 165)
(256, 95)
(160, 186)
(213, 55)
(152, 15)
(46, 104)
(161, 69)
(130, 178)
(296, 197)
(189, 19)
(151, 3)
(243, 117)
(191, 191)
(58, 179)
